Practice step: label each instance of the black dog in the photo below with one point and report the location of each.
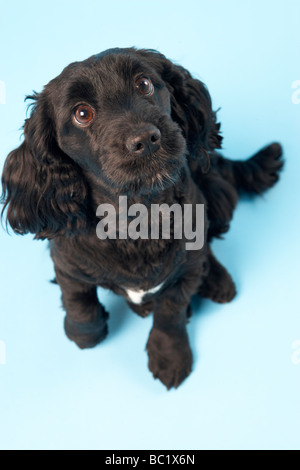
(129, 122)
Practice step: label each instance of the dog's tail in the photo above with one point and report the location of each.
(230, 178)
(254, 175)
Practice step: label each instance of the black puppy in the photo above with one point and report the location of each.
(129, 122)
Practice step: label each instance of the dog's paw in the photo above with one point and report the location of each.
(143, 310)
(170, 359)
(218, 286)
(87, 335)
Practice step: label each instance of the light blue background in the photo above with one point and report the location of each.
(244, 389)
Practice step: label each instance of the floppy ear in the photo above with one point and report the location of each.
(43, 190)
(191, 108)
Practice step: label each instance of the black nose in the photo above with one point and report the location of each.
(144, 141)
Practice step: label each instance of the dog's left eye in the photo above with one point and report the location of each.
(144, 86)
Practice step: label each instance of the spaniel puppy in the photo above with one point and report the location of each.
(129, 122)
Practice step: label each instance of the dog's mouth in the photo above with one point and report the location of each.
(157, 171)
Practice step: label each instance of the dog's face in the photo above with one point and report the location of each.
(125, 119)
(112, 116)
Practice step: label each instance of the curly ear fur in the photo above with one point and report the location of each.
(43, 189)
(191, 108)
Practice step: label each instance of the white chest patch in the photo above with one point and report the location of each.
(136, 296)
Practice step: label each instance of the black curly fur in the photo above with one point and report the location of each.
(53, 183)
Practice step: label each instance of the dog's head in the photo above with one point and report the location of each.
(125, 117)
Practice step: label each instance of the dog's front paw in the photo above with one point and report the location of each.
(170, 358)
(87, 335)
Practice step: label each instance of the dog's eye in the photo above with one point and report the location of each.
(83, 115)
(144, 86)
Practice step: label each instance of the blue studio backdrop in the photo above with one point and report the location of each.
(243, 392)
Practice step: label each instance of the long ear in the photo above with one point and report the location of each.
(191, 108)
(43, 190)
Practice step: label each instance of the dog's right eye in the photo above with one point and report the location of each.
(83, 115)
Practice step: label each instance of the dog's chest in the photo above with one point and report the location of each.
(137, 296)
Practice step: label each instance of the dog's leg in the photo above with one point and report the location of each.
(218, 285)
(254, 175)
(86, 319)
(170, 356)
